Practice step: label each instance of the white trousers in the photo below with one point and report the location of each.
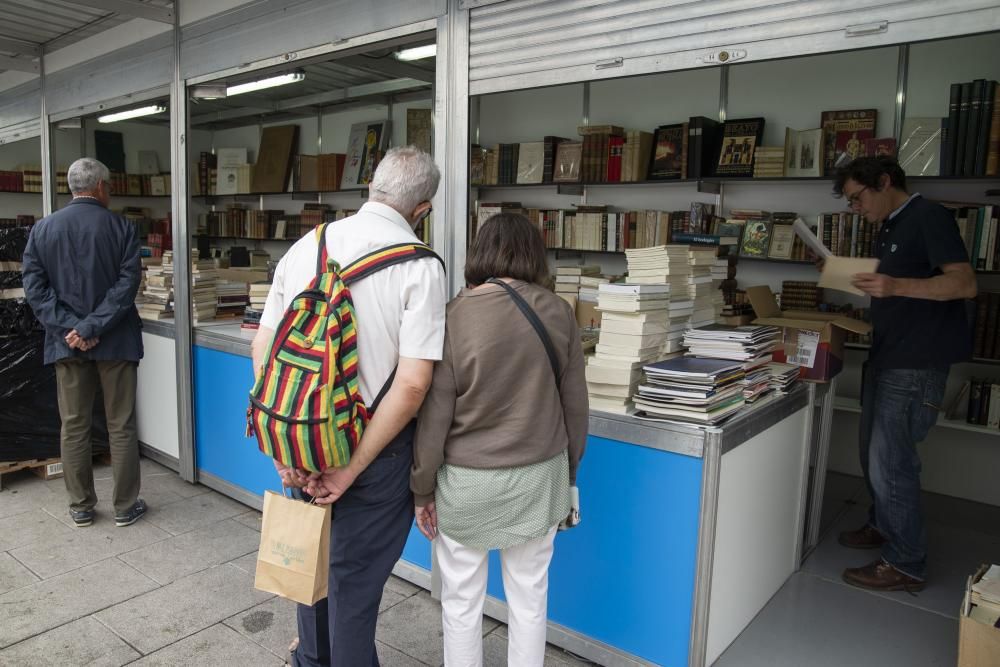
(463, 593)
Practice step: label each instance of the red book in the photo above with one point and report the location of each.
(615, 145)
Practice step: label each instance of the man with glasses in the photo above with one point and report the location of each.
(81, 274)
(920, 328)
(400, 319)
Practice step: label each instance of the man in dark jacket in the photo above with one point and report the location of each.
(81, 274)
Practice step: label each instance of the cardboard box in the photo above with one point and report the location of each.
(587, 315)
(978, 643)
(812, 340)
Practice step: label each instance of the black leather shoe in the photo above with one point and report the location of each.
(132, 515)
(82, 518)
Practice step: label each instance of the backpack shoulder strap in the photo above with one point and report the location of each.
(377, 260)
(322, 256)
(536, 324)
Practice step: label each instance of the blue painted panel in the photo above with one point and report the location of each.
(625, 575)
(221, 385)
(417, 549)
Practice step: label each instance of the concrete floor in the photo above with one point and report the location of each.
(176, 588)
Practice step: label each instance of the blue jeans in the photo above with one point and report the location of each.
(899, 406)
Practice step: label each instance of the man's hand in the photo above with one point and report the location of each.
(875, 284)
(427, 519)
(75, 342)
(291, 477)
(328, 486)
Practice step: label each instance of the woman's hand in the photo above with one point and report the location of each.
(427, 519)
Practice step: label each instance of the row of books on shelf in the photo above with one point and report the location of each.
(983, 407)
(241, 222)
(29, 179)
(970, 144)
(977, 225)
(700, 147)
(140, 185)
(310, 173)
(986, 337)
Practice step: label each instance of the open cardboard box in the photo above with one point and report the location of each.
(978, 644)
(808, 336)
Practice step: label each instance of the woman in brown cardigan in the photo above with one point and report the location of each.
(498, 442)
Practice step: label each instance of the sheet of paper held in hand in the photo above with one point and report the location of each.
(837, 271)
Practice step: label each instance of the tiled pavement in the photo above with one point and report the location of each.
(174, 589)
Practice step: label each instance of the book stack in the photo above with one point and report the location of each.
(749, 344)
(233, 298)
(756, 382)
(769, 162)
(670, 265)
(971, 136)
(633, 329)
(569, 278)
(158, 293)
(692, 391)
(783, 376)
(700, 289)
(204, 297)
(800, 295)
(984, 402)
(258, 297)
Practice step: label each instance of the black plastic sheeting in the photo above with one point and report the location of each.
(12, 243)
(29, 411)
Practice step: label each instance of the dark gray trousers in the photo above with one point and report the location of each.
(370, 525)
(77, 381)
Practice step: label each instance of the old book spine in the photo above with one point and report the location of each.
(947, 144)
(982, 312)
(963, 127)
(993, 152)
(985, 123)
(972, 130)
(975, 396)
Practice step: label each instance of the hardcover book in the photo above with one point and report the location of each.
(739, 139)
(880, 147)
(756, 238)
(782, 237)
(844, 135)
(803, 153)
(530, 162)
(365, 146)
(668, 152)
(567, 166)
(274, 160)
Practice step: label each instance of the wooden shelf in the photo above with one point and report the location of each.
(843, 404)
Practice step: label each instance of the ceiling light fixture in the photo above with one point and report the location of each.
(417, 52)
(132, 113)
(270, 82)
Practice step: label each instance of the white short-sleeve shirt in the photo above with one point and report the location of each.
(400, 310)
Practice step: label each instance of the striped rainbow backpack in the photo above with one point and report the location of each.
(306, 408)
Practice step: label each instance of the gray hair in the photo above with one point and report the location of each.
(84, 175)
(405, 177)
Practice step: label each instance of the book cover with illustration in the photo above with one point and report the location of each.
(736, 152)
(365, 146)
(756, 238)
(844, 136)
(668, 155)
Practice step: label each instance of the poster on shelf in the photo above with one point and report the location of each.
(365, 147)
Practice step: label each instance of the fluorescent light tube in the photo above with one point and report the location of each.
(417, 52)
(260, 84)
(132, 113)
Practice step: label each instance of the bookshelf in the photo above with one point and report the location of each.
(844, 404)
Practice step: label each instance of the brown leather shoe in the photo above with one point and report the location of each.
(865, 537)
(880, 576)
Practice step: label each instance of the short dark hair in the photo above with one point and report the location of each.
(868, 171)
(507, 245)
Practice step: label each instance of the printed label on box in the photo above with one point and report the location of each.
(806, 343)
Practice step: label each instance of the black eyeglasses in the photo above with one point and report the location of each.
(853, 200)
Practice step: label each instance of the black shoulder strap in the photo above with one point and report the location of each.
(536, 323)
(321, 253)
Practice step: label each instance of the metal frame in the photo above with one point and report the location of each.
(711, 467)
(449, 234)
(902, 74)
(134, 9)
(803, 501)
(48, 161)
(183, 336)
(131, 99)
(822, 454)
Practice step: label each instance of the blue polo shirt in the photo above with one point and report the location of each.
(915, 241)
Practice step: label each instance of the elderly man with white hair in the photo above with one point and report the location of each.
(400, 322)
(81, 273)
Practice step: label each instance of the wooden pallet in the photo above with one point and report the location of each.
(44, 468)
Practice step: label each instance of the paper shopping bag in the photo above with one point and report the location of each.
(294, 556)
